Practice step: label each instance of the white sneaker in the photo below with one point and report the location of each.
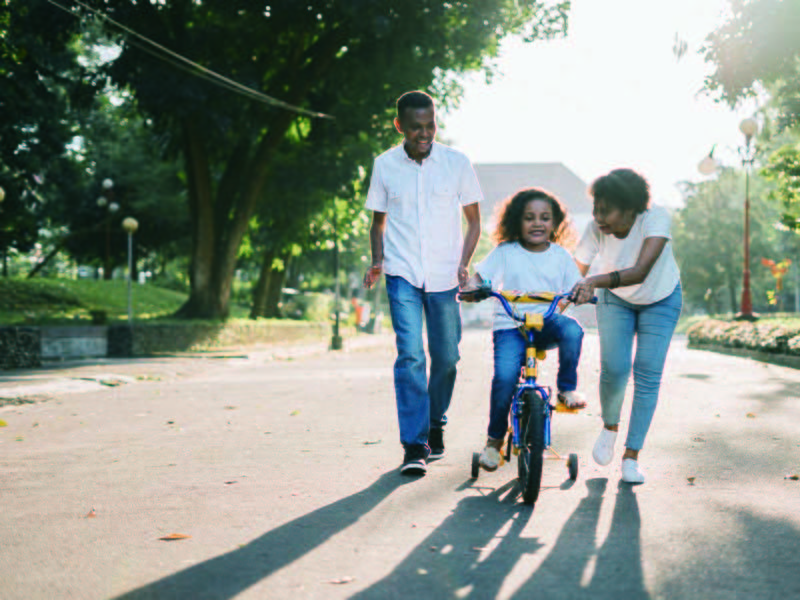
(631, 473)
(603, 450)
(490, 458)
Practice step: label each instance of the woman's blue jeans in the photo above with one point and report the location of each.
(651, 325)
(423, 403)
(509, 356)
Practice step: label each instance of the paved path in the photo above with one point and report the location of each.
(282, 470)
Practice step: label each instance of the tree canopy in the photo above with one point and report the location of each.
(348, 60)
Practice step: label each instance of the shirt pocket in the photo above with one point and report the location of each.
(397, 202)
(443, 198)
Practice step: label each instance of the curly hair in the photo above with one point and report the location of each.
(623, 189)
(509, 217)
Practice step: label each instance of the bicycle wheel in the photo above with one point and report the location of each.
(572, 466)
(531, 454)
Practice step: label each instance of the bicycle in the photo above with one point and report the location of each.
(531, 409)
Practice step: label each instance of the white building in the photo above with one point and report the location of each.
(499, 181)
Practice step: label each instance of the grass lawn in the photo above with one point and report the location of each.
(70, 301)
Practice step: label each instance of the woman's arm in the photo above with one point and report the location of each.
(648, 255)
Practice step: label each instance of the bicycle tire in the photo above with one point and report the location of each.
(531, 456)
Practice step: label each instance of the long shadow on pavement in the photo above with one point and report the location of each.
(225, 576)
(483, 544)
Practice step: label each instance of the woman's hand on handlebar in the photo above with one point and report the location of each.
(583, 291)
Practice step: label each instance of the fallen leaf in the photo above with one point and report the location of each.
(170, 422)
(20, 438)
(230, 482)
(341, 580)
(698, 439)
(794, 477)
(35, 424)
(369, 443)
(294, 413)
(3, 423)
(690, 480)
(175, 536)
(751, 415)
(433, 548)
(231, 407)
(91, 514)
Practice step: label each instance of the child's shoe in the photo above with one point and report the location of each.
(490, 457)
(571, 401)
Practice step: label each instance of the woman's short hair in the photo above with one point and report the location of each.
(624, 189)
(413, 100)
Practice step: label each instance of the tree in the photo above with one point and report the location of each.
(758, 44)
(708, 236)
(346, 59)
(43, 88)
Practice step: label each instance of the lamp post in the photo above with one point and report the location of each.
(112, 207)
(707, 166)
(336, 340)
(130, 225)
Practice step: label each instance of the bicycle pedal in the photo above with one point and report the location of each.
(563, 408)
(515, 451)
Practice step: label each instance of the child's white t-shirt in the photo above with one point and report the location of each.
(511, 267)
(608, 253)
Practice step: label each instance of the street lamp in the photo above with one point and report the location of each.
(336, 339)
(707, 166)
(130, 225)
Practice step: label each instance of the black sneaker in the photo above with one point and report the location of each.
(414, 461)
(436, 442)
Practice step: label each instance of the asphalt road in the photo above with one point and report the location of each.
(282, 473)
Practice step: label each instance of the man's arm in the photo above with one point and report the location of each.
(376, 244)
(472, 212)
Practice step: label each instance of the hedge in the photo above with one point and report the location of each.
(770, 336)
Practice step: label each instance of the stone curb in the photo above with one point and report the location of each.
(783, 360)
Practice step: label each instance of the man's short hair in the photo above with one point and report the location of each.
(413, 101)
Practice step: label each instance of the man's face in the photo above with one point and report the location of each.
(418, 126)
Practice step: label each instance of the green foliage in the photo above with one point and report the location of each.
(760, 43)
(42, 88)
(783, 169)
(708, 236)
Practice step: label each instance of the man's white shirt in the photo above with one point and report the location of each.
(423, 203)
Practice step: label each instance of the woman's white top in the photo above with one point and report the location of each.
(606, 253)
(511, 267)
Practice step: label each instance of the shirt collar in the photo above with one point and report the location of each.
(434, 156)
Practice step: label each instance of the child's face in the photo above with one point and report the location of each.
(538, 223)
(612, 220)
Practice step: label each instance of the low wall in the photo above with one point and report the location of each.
(27, 347)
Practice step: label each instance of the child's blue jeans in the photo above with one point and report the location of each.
(509, 357)
(651, 325)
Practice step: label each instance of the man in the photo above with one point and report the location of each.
(417, 193)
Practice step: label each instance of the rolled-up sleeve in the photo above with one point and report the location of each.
(377, 198)
(657, 223)
(469, 188)
(589, 245)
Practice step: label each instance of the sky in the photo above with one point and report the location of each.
(611, 94)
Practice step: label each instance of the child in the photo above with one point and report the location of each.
(527, 258)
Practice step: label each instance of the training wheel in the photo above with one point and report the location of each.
(572, 466)
(476, 464)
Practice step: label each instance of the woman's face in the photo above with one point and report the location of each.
(612, 220)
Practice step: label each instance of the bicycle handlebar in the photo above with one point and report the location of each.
(485, 291)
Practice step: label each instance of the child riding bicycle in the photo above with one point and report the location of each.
(529, 258)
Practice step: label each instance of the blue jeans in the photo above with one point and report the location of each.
(509, 357)
(652, 325)
(422, 404)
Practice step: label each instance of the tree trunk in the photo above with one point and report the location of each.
(262, 287)
(276, 283)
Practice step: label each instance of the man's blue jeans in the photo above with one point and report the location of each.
(619, 323)
(509, 357)
(422, 404)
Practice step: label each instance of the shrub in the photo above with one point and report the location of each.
(766, 336)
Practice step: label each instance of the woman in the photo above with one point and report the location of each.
(628, 244)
